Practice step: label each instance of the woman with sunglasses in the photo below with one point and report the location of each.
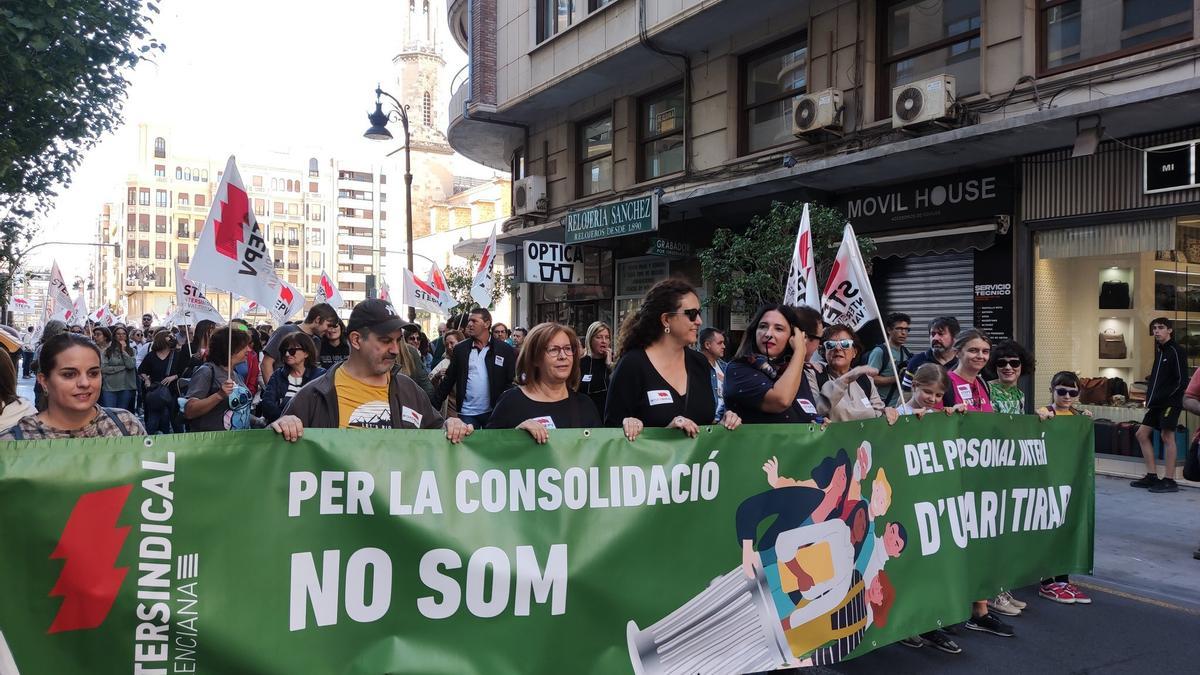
(1010, 361)
(659, 381)
(299, 368)
(769, 379)
(848, 390)
(548, 370)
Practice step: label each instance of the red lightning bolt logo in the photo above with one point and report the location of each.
(230, 229)
(833, 275)
(803, 250)
(90, 544)
(285, 295)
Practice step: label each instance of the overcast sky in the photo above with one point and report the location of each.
(240, 76)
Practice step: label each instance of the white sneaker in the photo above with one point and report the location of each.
(1001, 605)
(1013, 601)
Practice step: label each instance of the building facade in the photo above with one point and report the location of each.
(914, 116)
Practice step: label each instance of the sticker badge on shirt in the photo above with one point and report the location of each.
(586, 378)
(964, 392)
(807, 406)
(499, 361)
(546, 421)
(411, 416)
(865, 401)
(659, 397)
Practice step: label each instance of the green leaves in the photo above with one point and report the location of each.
(459, 279)
(753, 265)
(63, 67)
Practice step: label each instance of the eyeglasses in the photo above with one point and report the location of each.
(1063, 391)
(413, 338)
(1008, 363)
(691, 314)
(291, 351)
(844, 343)
(559, 352)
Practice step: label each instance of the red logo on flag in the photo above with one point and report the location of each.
(803, 244)
(90, 544)
(326, 287)
(833, 275)
(285, 294)
(230, 228)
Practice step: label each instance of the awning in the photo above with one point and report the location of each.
(925, 242)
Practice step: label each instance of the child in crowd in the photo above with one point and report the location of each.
(1064, 388)
(929, 385)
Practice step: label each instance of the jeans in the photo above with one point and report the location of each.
(117, 399)
(479, 421)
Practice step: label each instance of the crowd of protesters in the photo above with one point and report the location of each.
(377, 370)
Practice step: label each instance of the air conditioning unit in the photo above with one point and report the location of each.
(818, 111)
(529, 196)
(923, 101)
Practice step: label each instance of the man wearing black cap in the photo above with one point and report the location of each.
(365, 391)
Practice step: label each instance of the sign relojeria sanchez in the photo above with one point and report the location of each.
(632, 216)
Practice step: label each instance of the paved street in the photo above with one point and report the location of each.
(1146, 602)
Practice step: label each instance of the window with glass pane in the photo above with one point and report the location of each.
(554, 16)
(660, 133)
(929, 37)
(771, 82)
(594, 5)
(1076, 33)
(160, 198)
(595, 156)
(144, 196)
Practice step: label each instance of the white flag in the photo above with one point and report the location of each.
(288, 300)
(484, 282)
(79, 314)
(327, 292)
(802, 286)
(418, 293)
(384, 293)
(232, 254)
(437, 281)
(102, 316)
(191, 303)
(21, 304)
(59, 302)
(848, 299)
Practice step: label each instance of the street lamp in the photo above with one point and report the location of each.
(379, 132)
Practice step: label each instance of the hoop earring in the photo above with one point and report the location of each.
(667, 330)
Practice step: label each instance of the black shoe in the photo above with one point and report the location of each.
(1166, 485)
(952, 630)
(939, 638)
(914, 641)
(1148, 481)
(988, 623)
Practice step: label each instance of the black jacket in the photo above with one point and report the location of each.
(500, 376)
(1168, 378)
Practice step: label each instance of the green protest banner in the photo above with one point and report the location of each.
(395, 552)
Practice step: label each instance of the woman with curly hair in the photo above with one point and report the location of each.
(1009, 361)
(658, 381)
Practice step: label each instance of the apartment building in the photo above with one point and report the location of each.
(927, 121)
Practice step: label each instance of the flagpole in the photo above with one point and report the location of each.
(878, 315)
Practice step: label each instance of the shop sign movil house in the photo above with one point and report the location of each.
(632, 216)
(948, 199)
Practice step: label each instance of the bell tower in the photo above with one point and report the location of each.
(418, 67)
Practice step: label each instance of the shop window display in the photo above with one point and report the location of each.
(1096, 290)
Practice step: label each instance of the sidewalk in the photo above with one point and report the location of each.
(1144, 542)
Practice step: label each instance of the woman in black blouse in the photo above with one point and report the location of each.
(659, 382)
(769, 380)
(596, 366)
(548, 370)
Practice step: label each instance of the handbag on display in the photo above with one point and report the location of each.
(1112, 345)
(1114, 295)
(1093, 390)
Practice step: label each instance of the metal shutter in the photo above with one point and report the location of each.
(931, 285)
